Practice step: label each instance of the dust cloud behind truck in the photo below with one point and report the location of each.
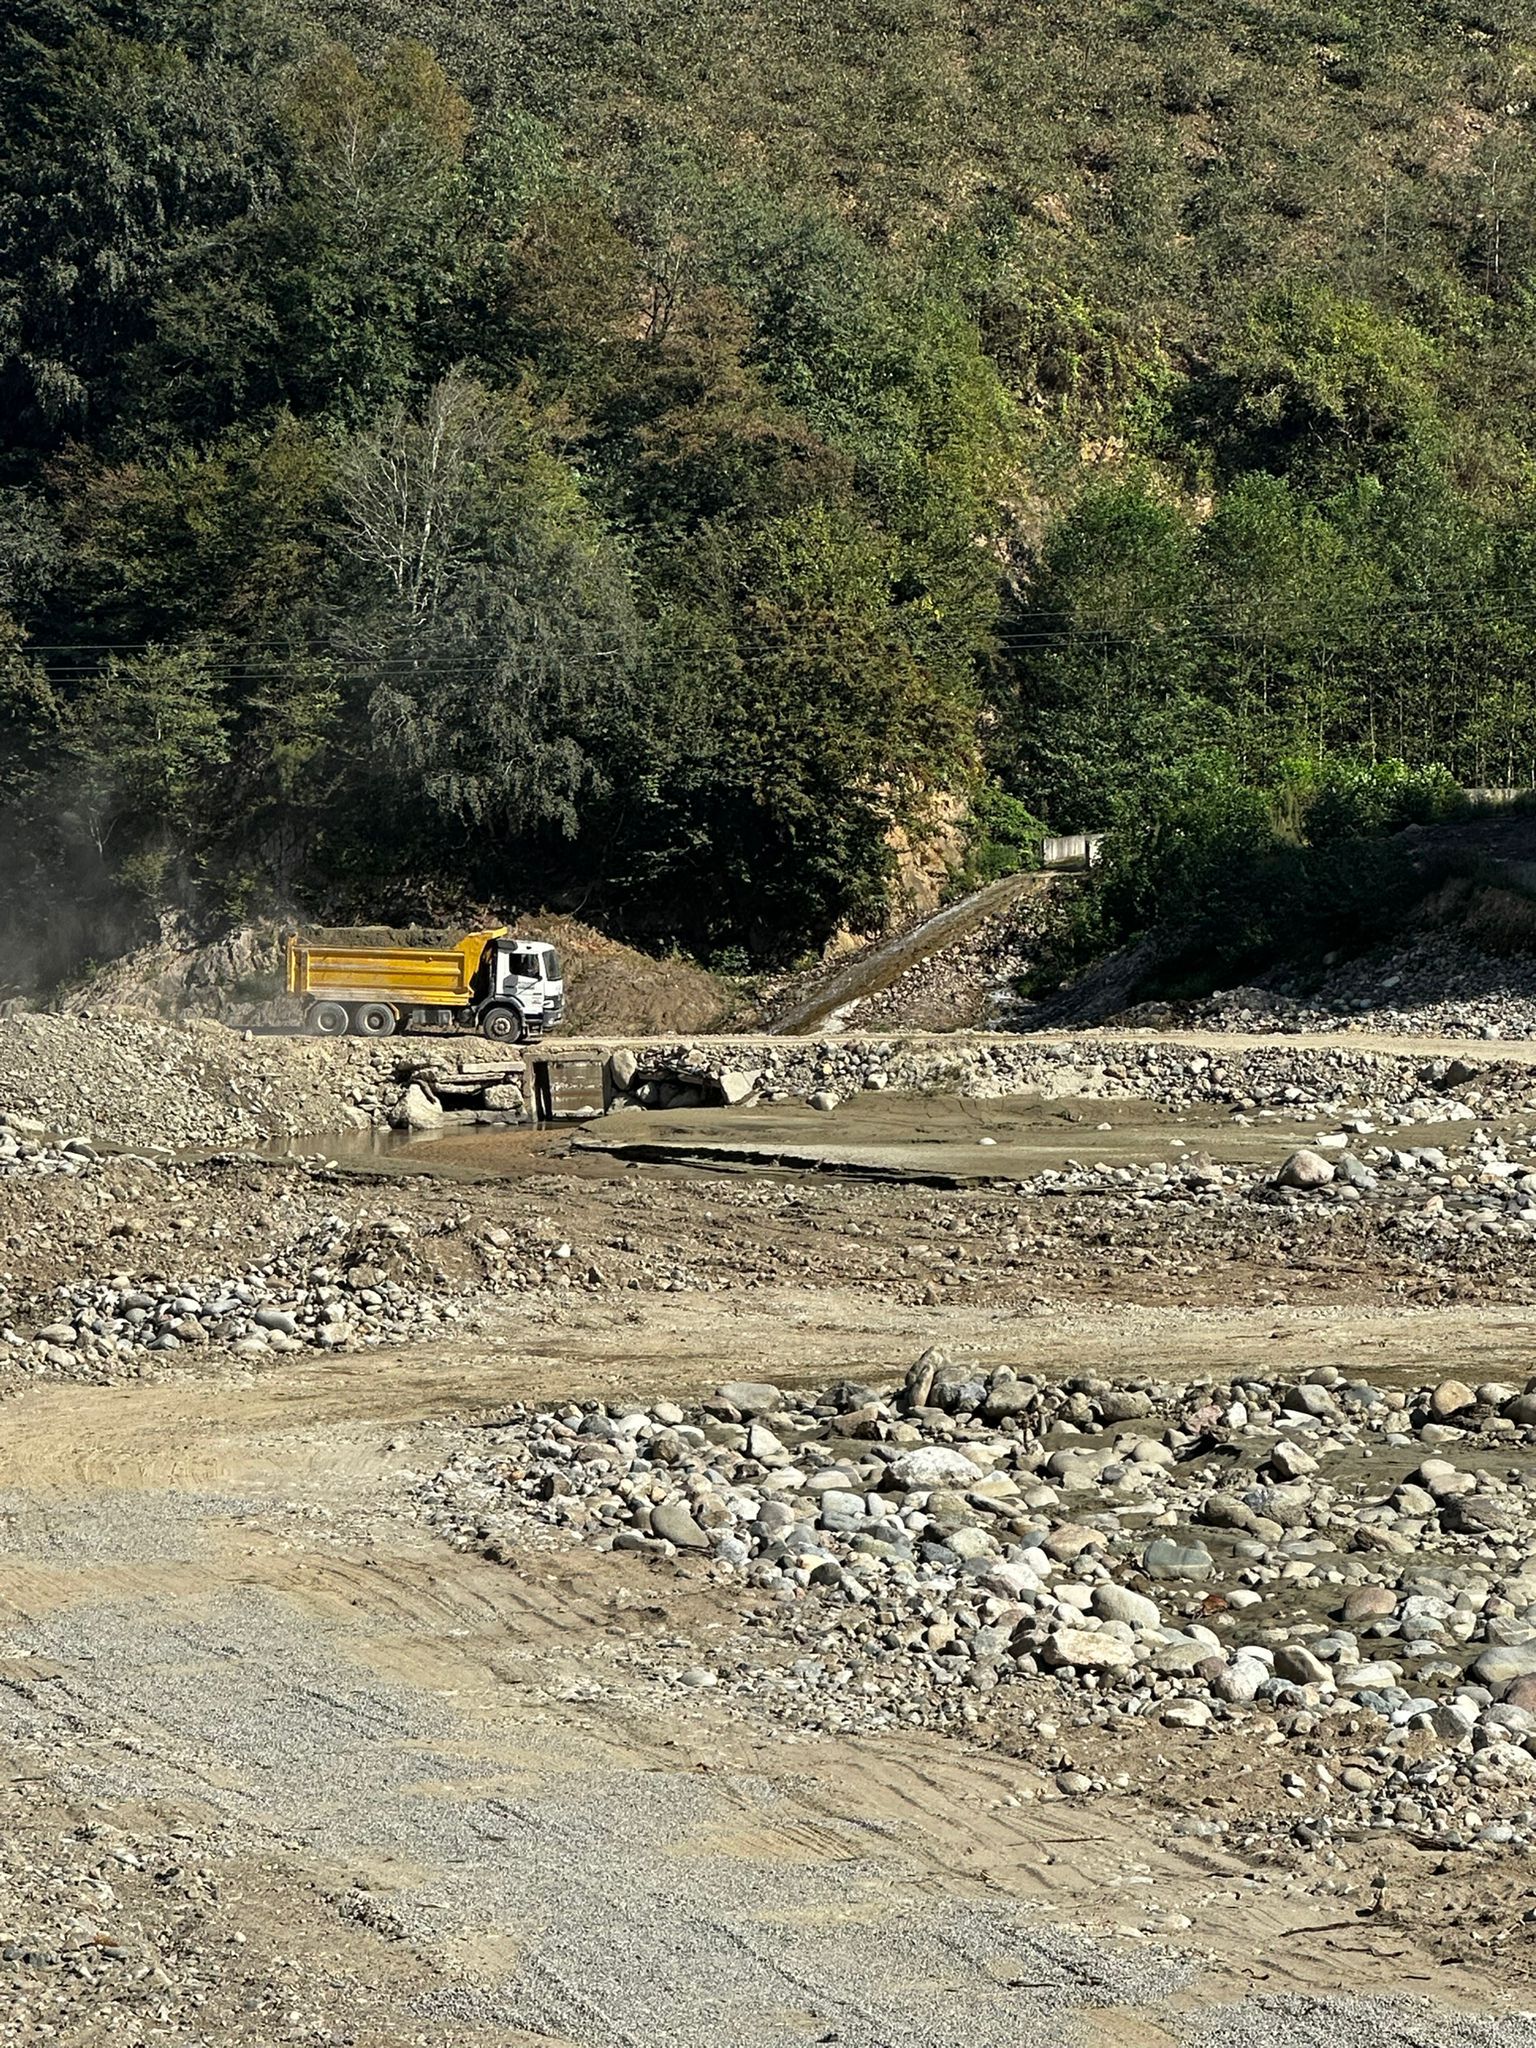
(511, 990)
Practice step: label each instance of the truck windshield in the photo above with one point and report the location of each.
(551, 964)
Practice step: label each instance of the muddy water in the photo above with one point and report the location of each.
(1012, 1138)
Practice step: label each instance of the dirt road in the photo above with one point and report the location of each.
(473, 1804)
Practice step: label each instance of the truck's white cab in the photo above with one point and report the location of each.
(529, 975)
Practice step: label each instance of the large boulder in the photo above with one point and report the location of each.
(418, 1111)
(1089, 1649)
(931, 1465)
(1305, 1170)
(751, 1398)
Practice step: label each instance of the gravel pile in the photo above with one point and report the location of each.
(1307, 1558)
(26, 1152)
(1488, 1188)
(1438, 987)
(149, 1084)
(342, 1285)
(1384, 1087)
(102, 1928)
(128, 1920)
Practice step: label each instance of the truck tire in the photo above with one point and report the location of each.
(504, 1024)
(373, 1020)
(328, 1020)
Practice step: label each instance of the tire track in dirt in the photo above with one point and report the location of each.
(245, 1619)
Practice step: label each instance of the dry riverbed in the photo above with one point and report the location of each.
(355, 1689)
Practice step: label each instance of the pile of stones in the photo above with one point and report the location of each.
(1479, 1189)
(1435, 987)
(92, 1936)
(1309, 1555)
(1380, 1087)
(149, 1085)
(26, 1150)
(338, 1286)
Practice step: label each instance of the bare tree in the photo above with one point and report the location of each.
(412, 490)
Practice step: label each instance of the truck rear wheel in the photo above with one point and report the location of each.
(373, 1020)
(503, 1024)
(328, 1020)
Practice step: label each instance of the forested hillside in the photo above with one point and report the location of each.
(637, 453)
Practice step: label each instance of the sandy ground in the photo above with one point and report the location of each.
(213, 1606)
(453, 1805)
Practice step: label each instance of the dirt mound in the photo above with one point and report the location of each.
(133, 1081)
(176, 976)
(238, 978)
(611, 988)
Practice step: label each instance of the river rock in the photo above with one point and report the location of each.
(842, 1511)
(933, 1465)
(1087, 1649)
(1367, 1603)
(1238, 1685)
(1186, 1714)
(1305, 1170)
(763, 1445)
(1011, 1579)
(1295, 1662)
(1163, 1558)
(1009, 1397)
(751, 1398)
(1290, 1461)
(1072, 1539)
(1119, 1603)
(1502, 1663)
(673, 1520)
(1124, 1404)
(1450, 1398)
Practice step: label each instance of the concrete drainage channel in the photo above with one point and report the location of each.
(548, 1088)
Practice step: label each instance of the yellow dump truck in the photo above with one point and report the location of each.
(508, 989)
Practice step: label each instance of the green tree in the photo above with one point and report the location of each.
(143, 738)
(491, 625)
(128, 134)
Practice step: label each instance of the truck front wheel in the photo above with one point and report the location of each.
(328, 1020)
(503, 1024)
(373, 1020)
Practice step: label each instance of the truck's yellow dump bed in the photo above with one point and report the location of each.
(394, 974)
